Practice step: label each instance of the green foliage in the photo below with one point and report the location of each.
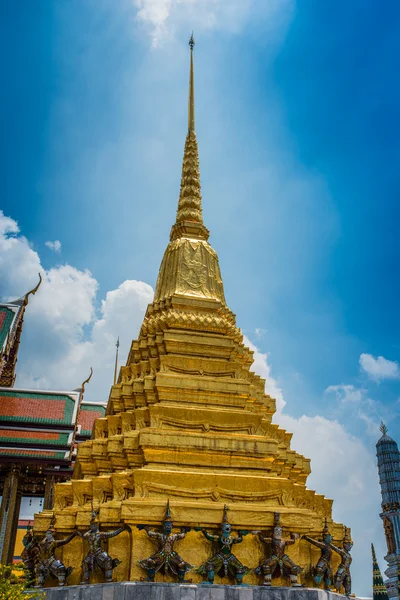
(13, 584)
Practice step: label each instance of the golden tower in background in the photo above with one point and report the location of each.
(190, 422)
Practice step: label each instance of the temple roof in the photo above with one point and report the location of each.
(11, 320)
(37, 423)
(33, 407)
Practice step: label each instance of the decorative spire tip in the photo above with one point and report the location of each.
(86, 381)
(383, 428)
(191, 119)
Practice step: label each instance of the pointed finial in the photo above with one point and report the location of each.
(167, 512)
(33, 291)
(347, 537)
(86, 381)
(189, 217)
(325, 530)
(373, 553)
(78, 411)
(225, 517)
(383, 428)
(94, 515)
(116, 361)
(191, 124)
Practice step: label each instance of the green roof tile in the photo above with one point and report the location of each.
(6, 318)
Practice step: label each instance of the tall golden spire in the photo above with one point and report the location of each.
(189, 218)
(191, 122)
(190, 266)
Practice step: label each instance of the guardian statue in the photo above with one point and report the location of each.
(279, 561)
(323, 569)
(343, 576)
(48, 565)
(224, 562)
(165, 558)
(97, 557)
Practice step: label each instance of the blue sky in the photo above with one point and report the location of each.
(297, 122)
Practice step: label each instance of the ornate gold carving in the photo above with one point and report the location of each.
(390, 541)
(189, 207)
(63, 496)
(172, 318)
(202, 426)
(228, 374)
(189, 267)
(216, 494)
(123, 486)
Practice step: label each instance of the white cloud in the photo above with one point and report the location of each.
(7, 225)
(379, 368)
(63, 333)
(355, 403)
(56, 245)
(260, 332)
(77, 336)
(346, 393)
(19, 264)
(162, 18)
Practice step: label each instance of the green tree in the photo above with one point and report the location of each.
(13, 584)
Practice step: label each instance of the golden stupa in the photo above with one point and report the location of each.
(190, 422)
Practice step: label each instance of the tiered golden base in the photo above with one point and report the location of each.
(188, 421)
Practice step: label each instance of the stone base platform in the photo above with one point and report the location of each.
(132, 590)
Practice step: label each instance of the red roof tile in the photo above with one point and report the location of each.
(32, 407)
(88, 417)
(43, 435)
(23, 452)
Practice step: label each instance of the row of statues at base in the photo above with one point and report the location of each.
(41, 563)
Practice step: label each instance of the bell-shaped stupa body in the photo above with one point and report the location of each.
(190, 422)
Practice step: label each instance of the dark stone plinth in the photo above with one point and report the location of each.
(132, 590)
